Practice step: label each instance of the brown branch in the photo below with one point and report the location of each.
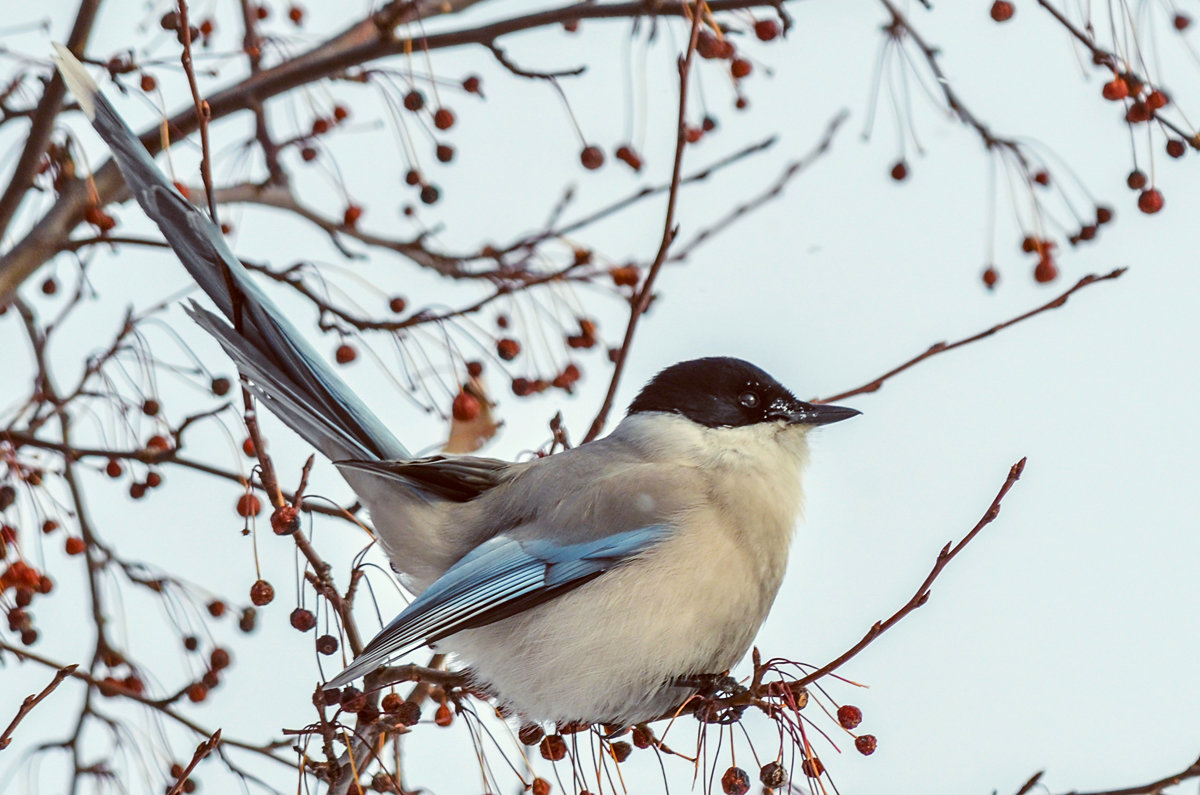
(32, 701)
(364, 41)
(1153, 787)
(943, 347)
(42, 124)
(202, 750)
(264, 750)
(921, 596)
(641, 299)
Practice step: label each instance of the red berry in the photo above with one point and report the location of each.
(345, 353)
(220, 386)
(327, 644)
(990, 277)
(466, 407)
(249, 505)
(296, 14)
(445, 153)
(812, 767)
(320, 126)
(735, 781)
(626, 155)
(430, 194)
(471, 85)
(197, 692)
(530, 734)
(75, 545)
(849, 716)
(553, 747)
(766, 29)
(158, 444)
(414, 100)
(1042, 177)
(302, 619)
(1175, 147)
(443, 119)
(1157, 99)
(1002, 10)
(50, 286)
(591, 157)
(1104, 215)
(692, 134)
(262, 12)
(1181, 21)
(1139, 112)
(261, 593)
(508, 349)
(772, 775)
(352, 214)
(308, 154)
(113, 469)
(285, 520)
(1045, 271)
(219, 659)
(340, 113)
(740, 68)
(1087, 231)
(474, 369)
(626, 275)
(900, 171)
(1115, 90)
(412, 177)
(248, 447)
(1150, 201)
(540, 785)
(148, 83)
(1136, 180)
(866, 744)
(443, 717)
(216, 608)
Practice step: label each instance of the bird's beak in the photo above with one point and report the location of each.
(818, 414)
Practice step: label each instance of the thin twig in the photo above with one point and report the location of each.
(202, 750)
(943, 347)
(32, 701)
(948, 553)
(641, 299)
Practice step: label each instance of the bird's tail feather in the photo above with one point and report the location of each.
(294, 381)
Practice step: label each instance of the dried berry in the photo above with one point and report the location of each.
(219, 659)
(592, 157)
(345, 353)
(1002, 10)
(327, 644)
(735, 781)
(772, 775)
(302, 619)
(353, 699)
(443, 118)
(220, 386)
(261, 593)
(865, 744)
(414, 100)
(443, 717)
(621, 750)
(249, 505)
(553, 747)
(75, 545)
(990, 277)
(766, 29)
(197, 692)
(508, 349)
(1150, 201)
(849, 716)
(285, 520)
(530, 734)
(466, 407)
(900, 171)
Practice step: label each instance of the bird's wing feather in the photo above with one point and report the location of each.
(303, 387)
(497, 579)
(456, 478)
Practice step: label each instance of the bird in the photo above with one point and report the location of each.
(595, 585)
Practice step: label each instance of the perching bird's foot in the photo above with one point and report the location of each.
(714, 694)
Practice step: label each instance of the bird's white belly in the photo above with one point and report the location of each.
(606, 651)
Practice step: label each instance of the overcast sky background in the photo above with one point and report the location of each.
(1063, 638)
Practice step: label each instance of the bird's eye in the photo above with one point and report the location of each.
(748, 399)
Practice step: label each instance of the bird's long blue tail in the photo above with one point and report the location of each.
(284, 371)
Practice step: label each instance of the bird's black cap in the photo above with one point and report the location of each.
(723, 392)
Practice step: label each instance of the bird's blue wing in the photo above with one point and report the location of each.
(497, 579)
(285, 371)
